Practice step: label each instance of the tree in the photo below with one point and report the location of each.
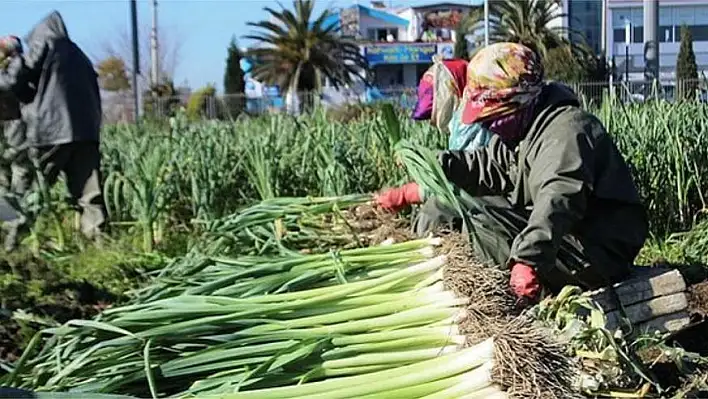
(234, 84)
(201, 103)
(120, 44)
(686, 68)
(574, 64)
(296, 51)
(460, 45)
(529, 22)
(161, 100)
(112, 74)
(570, 64)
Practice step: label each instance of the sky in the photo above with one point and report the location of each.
(203, 27)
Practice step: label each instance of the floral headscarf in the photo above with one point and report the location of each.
(439, 92)
(502, 78)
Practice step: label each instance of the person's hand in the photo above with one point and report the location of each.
(524, 281)
(395, 199)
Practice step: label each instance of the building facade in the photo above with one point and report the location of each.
(625, 28)
(584, 19)
(400, 43)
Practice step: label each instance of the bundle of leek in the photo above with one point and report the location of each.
(278, 224)
(391, 318)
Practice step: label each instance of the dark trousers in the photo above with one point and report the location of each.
(495, 224)
(80, 162)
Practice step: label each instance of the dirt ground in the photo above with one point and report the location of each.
(35, 286)
(698, 298)
(693, 339)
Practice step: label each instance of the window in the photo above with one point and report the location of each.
(636, 35)
(382, 34)
(584, 17)
(671, 18)
(699, 32)
(666, 34)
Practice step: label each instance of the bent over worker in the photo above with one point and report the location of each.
(550, 196)
(61, 106)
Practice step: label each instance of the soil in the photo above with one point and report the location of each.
(698, 299)
(34, 286)
(692, 339)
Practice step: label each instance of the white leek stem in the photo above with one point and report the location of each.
(479, 378)
(372, 359)
(491, 392)
(432, 279)
(387, 242)
(428, 252)
(394, 334)
(399, 377)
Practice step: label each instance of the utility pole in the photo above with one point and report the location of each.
(603, 32)
(486, 22)
(627, 43)
(136, 60)
(651, 44)
(155, 72)
(607, 55)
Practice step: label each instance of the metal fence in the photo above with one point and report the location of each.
(119, 107)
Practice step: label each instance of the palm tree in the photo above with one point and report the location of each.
(529, 22)
(296, 53)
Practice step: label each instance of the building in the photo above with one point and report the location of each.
(625, 28)
(672, 15)
(585, 18)
(400, 43)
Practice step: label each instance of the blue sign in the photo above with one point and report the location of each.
(271, 91)
(400, 53)
(448, 52)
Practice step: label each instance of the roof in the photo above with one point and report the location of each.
(445, 5)
(383, 16)
(333, 19)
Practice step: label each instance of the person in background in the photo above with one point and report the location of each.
(427, 33)
(551, 198)
(440, 93)
(57, 87)
(440, 100)
(16, 165)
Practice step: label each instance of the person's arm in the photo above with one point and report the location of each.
(484, 171)
(560, 181)
(34, 62)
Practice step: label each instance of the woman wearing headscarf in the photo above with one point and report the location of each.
(440, 94)
(554, 201)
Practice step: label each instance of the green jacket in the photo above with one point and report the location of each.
(568, 173)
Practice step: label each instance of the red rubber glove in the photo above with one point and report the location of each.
(395, 199)
(524, 282)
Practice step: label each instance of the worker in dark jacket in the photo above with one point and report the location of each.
(550, 197)
(61, 106)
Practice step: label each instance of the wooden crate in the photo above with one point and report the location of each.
(655, 299)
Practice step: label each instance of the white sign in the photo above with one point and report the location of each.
(254, 88)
